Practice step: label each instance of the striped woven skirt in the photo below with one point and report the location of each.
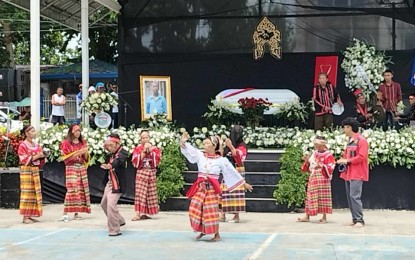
(30, 192)
(318, 199)
(204, 210)
(77, 197)
(233, 202)
(146, 200)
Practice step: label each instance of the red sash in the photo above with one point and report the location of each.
(214, 182)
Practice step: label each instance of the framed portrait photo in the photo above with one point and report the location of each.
(155, 93)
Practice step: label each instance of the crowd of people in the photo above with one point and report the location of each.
(220, 187)
(382, 111)
(218, 190)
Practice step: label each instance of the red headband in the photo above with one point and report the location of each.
(28, 129)
(113, 139)
(76, 128)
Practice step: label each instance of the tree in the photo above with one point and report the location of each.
(15, 34)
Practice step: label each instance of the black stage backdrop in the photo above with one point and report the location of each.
(196, 79)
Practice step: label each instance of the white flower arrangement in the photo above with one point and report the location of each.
(98, 102)
(363, 66)
(294, 110)
(393, 147)
(400, 107)
(130, 138)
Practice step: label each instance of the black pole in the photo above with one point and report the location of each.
(393, 28)
(260, 8)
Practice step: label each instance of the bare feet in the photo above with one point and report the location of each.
(77, 217)
(222, 217)
(322, 221)
(28, 221)
(216, 238)
(235, 219)
(145, 217)
(305, 219)
(136, 218)
(199, 236)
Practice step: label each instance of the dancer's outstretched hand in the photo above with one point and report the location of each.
(248, 187)
(185, 137)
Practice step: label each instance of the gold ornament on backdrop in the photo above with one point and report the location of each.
(267, 33)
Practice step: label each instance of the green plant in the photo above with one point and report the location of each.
(170, 179)
(291, 189)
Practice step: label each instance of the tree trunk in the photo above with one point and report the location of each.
(8, 42)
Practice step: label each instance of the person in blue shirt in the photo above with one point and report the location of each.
(156, 104)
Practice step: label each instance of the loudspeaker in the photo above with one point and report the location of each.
(22, 85)
(7, 85)
(10, 189)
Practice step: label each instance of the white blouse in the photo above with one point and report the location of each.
(214, 166)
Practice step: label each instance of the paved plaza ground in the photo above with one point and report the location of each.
(387, 235)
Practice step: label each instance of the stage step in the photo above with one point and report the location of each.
(261, 167)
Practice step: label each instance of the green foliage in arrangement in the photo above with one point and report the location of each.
(170, 179)
(291, 189)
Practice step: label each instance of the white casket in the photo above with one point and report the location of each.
(229, 98)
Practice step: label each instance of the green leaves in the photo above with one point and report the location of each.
(170, 179)
(291, 189)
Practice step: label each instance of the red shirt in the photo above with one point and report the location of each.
(392, 94)
(357, 151)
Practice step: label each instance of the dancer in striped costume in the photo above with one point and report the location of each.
(75, 155)
(205, 191)
(146, 158)
(320, 164)
(235, 151)
(115, 183)
(31, 158)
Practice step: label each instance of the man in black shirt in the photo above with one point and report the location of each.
(115, 183)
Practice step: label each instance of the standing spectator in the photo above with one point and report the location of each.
(324, 96)
(78, 104)
(409, 114)
(25, 114)
(390, 95)
(100, 87)
(115, 109)
(354, 168)
(58, 112)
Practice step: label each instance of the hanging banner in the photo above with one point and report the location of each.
(328, 65)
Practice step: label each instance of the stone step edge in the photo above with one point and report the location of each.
(276, 151)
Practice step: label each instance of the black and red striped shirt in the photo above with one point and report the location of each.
(324, 97)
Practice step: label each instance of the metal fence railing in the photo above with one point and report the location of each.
(70, 108)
